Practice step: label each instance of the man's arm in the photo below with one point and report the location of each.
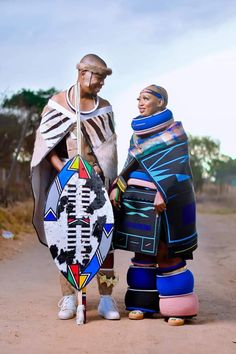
(54, 160)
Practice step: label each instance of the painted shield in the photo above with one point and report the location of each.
(78, 222)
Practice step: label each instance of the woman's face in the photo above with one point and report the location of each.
(148, 104)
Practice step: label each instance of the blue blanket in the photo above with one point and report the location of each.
(164, 158)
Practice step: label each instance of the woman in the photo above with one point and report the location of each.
(156, 217)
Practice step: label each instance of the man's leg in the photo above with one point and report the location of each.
(68, 302)
(106, 279)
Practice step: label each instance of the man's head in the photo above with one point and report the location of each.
(152, 99)
(92, 73)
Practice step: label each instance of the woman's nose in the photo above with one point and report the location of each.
(140, 104)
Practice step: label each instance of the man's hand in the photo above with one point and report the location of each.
(53, 158)
(97, 169)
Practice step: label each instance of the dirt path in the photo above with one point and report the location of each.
(30, 291)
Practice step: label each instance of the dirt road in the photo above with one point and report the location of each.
(30, 291)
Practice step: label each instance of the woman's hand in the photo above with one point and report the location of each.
(159, 203)
(113, 198)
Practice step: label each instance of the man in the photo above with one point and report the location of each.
(56, 141)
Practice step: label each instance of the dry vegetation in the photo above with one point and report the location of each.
(213, 199)
(217, 199)
(17, 219)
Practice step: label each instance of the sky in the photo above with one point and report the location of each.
(186, 46)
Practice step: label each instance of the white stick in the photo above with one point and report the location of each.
(77, 112)
(80, 318)
(80, 315)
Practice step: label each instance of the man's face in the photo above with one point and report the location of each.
(92, 83)
(148, 104)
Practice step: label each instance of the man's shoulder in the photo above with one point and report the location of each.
(103, 102)
(58, 98)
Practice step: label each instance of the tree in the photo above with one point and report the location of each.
(19, 118)
(10, 129)
(225, 170)
(27, 106)
(204, 158)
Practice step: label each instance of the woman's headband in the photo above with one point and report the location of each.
(153, 93)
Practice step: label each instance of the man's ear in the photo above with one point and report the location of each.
(86, 77)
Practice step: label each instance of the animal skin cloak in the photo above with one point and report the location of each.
(164, 158)
(57, 124)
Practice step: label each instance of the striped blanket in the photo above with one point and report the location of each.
(57, 123)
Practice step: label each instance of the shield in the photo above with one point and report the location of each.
(78, 222)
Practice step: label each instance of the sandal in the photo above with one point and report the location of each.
(136, 315)
(176, 321)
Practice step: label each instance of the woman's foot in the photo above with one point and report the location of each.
(175, 321)
(136, 315)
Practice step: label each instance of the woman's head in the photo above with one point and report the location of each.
(152, 99)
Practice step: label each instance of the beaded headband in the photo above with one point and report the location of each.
(154, 93)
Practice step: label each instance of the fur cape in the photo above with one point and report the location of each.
(55, 125)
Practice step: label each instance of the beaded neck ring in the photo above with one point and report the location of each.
(96, 102)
